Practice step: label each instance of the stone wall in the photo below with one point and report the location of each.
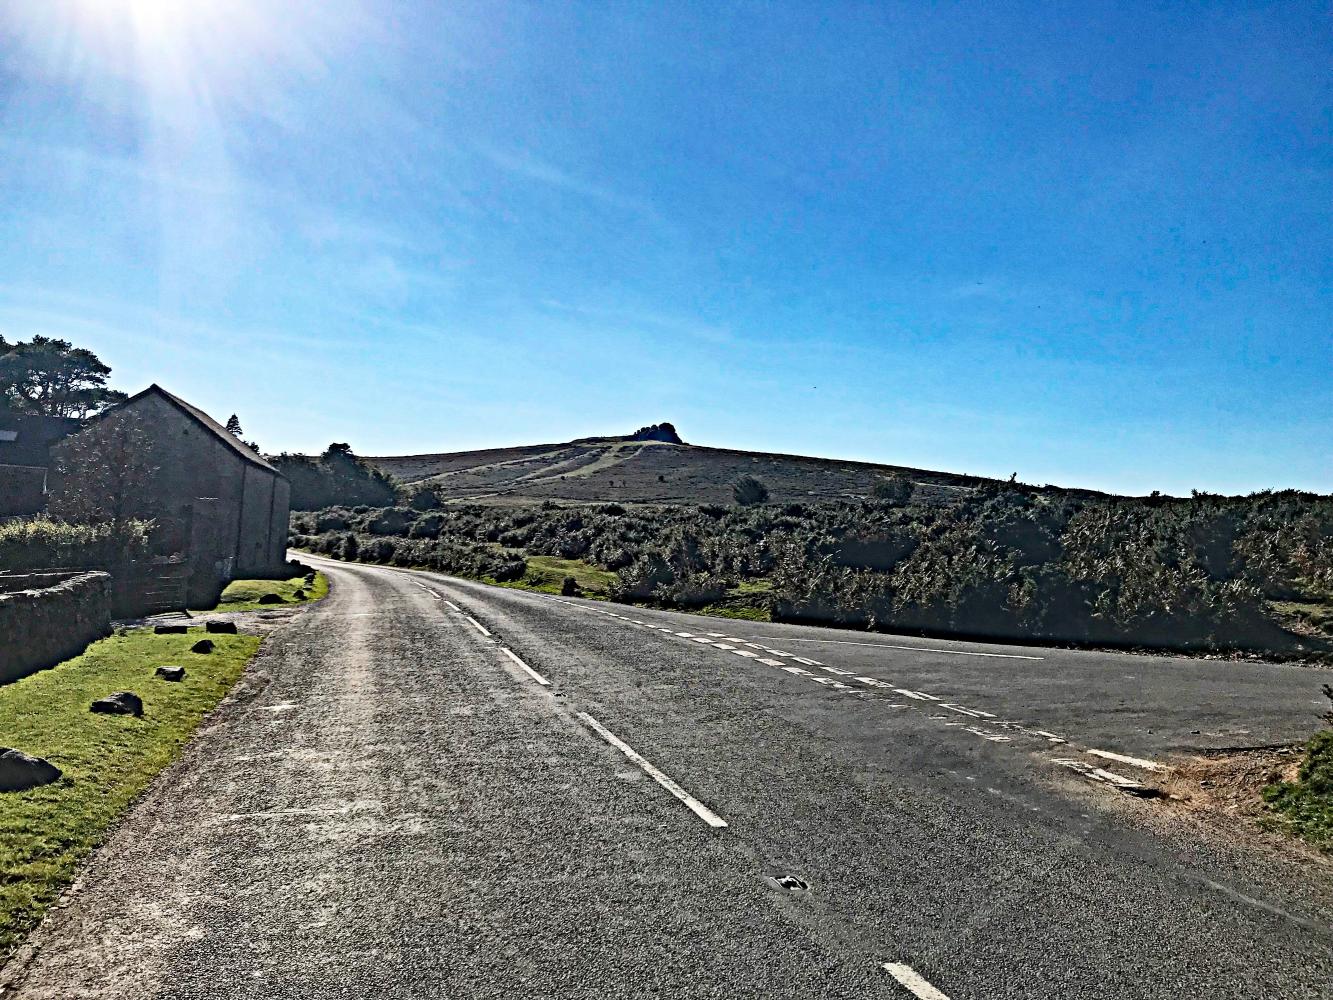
(22, 490)
(49, 617)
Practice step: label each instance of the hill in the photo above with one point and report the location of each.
(631, 469)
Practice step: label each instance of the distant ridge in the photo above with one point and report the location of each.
(652, 465)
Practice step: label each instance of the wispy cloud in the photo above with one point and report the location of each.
(524, 165)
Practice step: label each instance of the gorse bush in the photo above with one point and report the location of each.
(747, 490)
(1002, 561)
(44, 543)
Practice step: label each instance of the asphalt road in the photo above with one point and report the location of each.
(395, 805)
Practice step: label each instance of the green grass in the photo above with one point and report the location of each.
(547, 573)
(1305, 806)
(107, 760)
(1316, 614)
(244, 595)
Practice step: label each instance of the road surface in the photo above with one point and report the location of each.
(432, 788)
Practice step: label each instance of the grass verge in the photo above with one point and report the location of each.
(107, 760)
(1305, 806)
(244, 595)
(546, 574)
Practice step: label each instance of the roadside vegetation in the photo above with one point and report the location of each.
(46, 543)
(1004, 561)
(106, 760)
(1305, 806)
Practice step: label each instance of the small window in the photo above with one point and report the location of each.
(9, 435)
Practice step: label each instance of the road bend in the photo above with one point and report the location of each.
(427, 787)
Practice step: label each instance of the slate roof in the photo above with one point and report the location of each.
(33, 437)
(203, 420)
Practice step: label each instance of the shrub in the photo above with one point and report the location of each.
(45, 543)
(894, 489)
(747, 490)
(569, 587)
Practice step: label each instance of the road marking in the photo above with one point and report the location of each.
(987, 736)
(532, 673)
(453, 606)
(912, 981)
(835, 670)
(722, 645)
(923, 649)
(1105, 777)
(746, 652)
(961, 710)
(808, 663)
(478, 625)
(719, 635)
(694, 805)
(916, 695)
(685, 635)
(771, 663)
(705, 641)
(1147, 765)
(428, 590)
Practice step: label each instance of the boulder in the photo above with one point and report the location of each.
(202, 646)
(221, 628)
(20, 771)
(271, 599)
(169, 629)
(120, 703)
(170, 672)
(299, 595)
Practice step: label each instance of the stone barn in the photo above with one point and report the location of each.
(218, 505)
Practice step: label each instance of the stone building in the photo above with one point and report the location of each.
(25, 456)
(217, 505)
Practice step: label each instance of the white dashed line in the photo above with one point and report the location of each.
(746, 652)
(1105, 777)
(771, 663)
(1147, 765)
(695, 806)
(453, 606)
(531, 673)
(685, 635)
(923, 649)
(808, 663)
(916, 695)
(722, 645)
(912, 981)
(478, 625)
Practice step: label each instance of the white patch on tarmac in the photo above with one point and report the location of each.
(454, 606)
(987, 736)
(1147, 765)
(685, 635)
(478, 625)
(913, 982)
(722, 645)
(694, 805)
(699, 638)
(771, 663)
(834, 670)
(531, 673)
(719, 635)
(808, 663)
(924, 649)
(746, 652)
(876, 683)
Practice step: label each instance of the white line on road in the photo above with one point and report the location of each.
(532, 673)
(694, 805)
(479, 626)
(922, 649)
(453, 606)
(912, 981)
(1147, 765)
(746, 652)
(771, 663)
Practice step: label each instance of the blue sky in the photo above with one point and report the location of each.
(1087, 243)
